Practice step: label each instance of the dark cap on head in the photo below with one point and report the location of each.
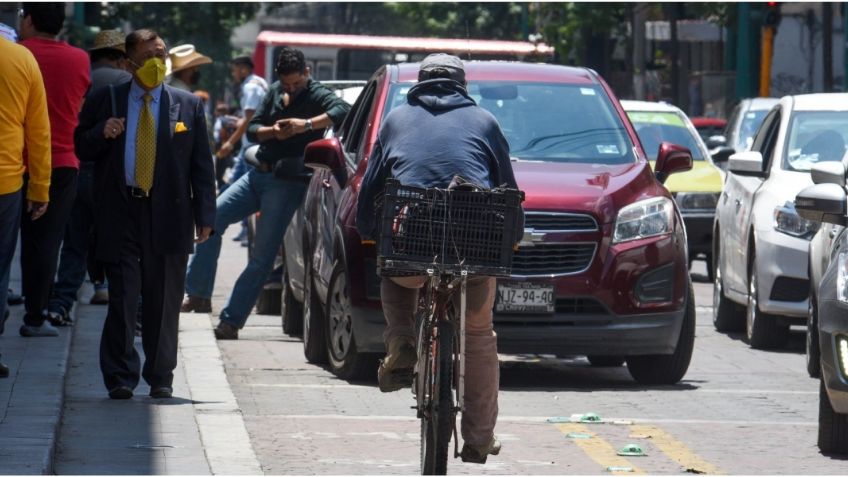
(242, 60)
(441, 65)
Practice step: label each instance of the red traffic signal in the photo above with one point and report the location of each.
(772, 14)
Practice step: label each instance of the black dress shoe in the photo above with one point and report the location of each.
(161, 392)
(4, 371)
(120, 392)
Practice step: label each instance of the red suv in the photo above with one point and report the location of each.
(602, 268)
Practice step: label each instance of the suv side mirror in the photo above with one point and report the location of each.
(326, 154)
(748, 163)
(828, 173)
(672, 158)
(716, 141)
(822, 203)
(722, 154)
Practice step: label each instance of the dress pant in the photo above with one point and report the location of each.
(482, 373)
(10, 222)
(158, 279)
(40, 241)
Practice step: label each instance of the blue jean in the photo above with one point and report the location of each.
(10, 223)
(276, 200)
(240, 168)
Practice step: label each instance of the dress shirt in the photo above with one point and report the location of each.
(133, 111)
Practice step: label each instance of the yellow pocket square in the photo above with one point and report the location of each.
(180, 127)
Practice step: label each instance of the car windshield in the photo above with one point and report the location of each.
(550, 122)
(654, 128)
(815, 136)
(748, 128)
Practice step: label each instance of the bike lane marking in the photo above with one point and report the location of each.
(598, 449)
(674, 449)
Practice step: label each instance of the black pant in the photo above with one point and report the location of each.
(40, 240)
(159, 279)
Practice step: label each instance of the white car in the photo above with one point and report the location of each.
(762, 249)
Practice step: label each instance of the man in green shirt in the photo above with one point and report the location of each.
(294, 112)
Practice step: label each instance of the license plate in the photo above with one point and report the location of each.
(524, 297)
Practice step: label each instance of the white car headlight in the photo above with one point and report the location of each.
(696, 200)
(646, 218)
(842, 277)
(787, 220)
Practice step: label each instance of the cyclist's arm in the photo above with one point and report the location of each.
(503, 174)
(372, 186)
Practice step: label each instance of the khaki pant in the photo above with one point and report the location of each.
(482, 374)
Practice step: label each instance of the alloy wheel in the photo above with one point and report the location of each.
(341, 323)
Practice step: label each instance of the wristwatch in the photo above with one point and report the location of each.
(309, 125)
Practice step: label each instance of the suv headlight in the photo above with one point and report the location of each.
(696, 200)
(787, 220)
(842, 277)
(646, 218)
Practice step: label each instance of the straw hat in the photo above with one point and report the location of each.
(112, 39)
(185, 56)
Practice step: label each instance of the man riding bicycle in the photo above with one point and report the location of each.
(440, 133)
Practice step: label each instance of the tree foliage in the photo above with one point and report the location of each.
(495, 21)
(568, 27)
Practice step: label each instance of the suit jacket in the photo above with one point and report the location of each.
(183, 192)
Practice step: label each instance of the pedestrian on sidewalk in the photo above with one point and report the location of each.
(107, 68)
(26, 125)
(156, 192)
(295, 112)
(185, 67)
(65, 70)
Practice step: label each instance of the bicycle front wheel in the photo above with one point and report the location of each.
(437, 423)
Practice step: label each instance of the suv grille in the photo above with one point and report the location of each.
(553, 258)
(541, 221)
(580, 306)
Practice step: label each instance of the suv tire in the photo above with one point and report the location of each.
(833, 427)
(345, 361)
(764, 331)
(669, 368)
(314, 332)
(727, 315)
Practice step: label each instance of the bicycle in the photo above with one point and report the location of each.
(446, 236)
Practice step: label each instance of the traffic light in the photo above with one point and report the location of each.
(772, 15)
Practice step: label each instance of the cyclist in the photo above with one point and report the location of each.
(438, 134)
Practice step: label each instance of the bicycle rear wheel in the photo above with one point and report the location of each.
(437, 423)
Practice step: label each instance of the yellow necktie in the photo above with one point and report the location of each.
(145, 146)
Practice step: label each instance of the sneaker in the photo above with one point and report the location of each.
(195, 304)
(100, 297)
(13, 298)
(46, 329)
(60, 317)
(396, 369)
(226, 331)
(478, 454)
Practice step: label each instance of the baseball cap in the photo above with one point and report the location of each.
(443, 61)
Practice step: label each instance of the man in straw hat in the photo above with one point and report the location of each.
(108, 60)
(185, 63)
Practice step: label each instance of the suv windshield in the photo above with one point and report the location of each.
(815, 136)
(655, 127)
(549, 122)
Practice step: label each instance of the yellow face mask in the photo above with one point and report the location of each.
(151, 73)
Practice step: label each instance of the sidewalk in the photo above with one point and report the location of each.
(56, 417)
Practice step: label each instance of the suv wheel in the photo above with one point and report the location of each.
(290, 310)
(727, 315)
(313, 322)
(833, 427)
(668, 368)
(345, 361)
(812, 342)
(763, 331)
(600, 361)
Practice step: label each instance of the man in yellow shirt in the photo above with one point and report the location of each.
(26, 127)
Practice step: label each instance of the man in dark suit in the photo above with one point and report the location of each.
(155, 190)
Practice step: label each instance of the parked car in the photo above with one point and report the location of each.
(826, 202)
(743, 123)
(708, 127)
(602, 268)
(762, 255)
(696, 191)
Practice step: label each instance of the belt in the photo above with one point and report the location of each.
(137, 193)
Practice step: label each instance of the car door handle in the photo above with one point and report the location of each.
(832, 233)
(326, 184)
(738, 203)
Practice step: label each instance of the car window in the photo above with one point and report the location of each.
(751, 121)
(759, 140)
(654, 128)
(815, 136)
(731, 123)
(360, 119)
(771, 141)
(549, 122)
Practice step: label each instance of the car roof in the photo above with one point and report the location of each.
(820, 102)
(649, 106)
(759, 104)
(510, 71)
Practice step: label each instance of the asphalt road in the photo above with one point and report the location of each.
(737, 410)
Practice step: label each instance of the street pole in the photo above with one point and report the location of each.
(827, 46)
(765, 60)
(744, 58)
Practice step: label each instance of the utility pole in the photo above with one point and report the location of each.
(770, 21)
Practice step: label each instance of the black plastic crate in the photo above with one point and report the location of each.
(448, 230)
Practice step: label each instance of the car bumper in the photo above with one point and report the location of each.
(699, 232)
(833, 323)
(784, 258)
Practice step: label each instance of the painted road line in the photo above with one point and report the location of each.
(598, 449)
(675, 450)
